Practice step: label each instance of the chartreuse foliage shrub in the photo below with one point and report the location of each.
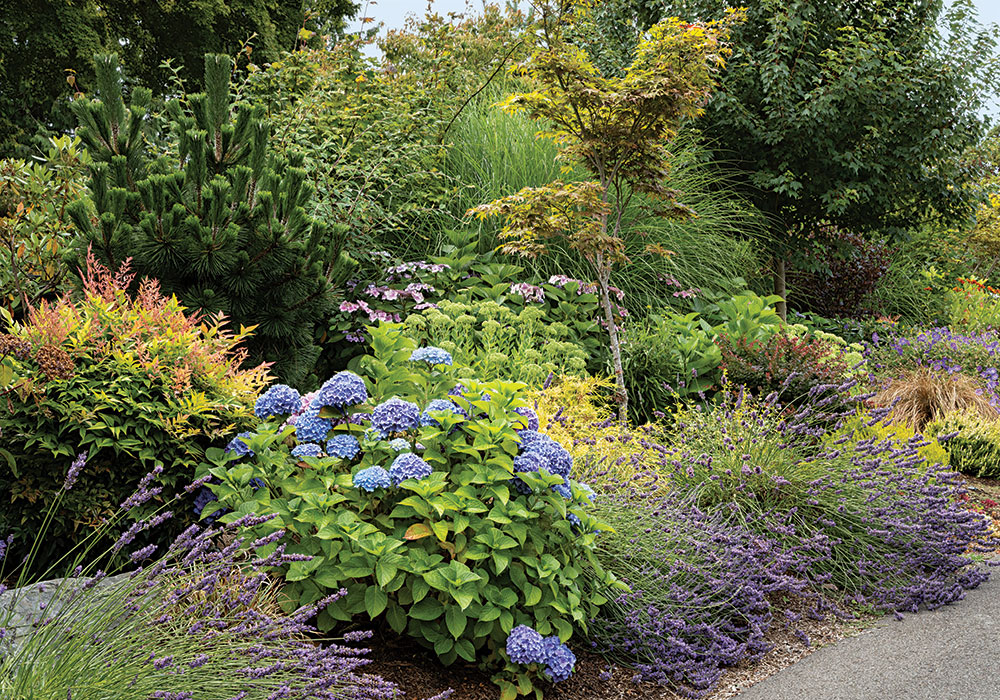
(974, 445)
(132, 382)
(437, 507)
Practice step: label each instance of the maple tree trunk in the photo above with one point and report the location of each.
(616, 351)
(779, 288)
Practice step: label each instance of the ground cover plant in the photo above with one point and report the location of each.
(131, 380)
(438, 507)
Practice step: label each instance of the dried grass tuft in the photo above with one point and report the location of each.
(924, 395)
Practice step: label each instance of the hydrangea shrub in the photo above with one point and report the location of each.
(436, 541)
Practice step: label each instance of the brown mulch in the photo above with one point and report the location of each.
(420, 676)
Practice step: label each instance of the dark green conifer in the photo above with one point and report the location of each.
(219, 221)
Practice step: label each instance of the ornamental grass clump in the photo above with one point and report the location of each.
(435, 506)
(916, 398)
(203, 620)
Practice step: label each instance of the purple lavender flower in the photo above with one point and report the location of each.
(307, 449)
(408, 466)
(342, 390)
(74, 471)
(431, 355)
(525, 646)
(279, 400)
(343, 446)
(372, 478)
(395, 415)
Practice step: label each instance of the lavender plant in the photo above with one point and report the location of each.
(202, 620)
(764, 501)
(452, 522)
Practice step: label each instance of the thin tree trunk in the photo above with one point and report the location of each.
(603, 280)
(779, 288)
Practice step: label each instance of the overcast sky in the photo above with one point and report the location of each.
(393, 12)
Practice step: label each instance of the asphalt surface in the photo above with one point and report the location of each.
(952, 653)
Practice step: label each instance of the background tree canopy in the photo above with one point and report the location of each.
(40, 40)
(847, 114)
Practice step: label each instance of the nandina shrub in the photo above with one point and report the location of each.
(787, 364)
(130, 381)
(439, 508)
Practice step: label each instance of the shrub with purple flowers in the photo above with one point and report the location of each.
(433, 541)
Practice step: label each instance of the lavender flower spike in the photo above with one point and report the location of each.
(74, 471)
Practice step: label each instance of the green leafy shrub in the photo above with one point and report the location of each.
(34, 225)
(131, 382)
(221, 222)
(569, 307)
(975, 443)
(495, 342)
(454, 547)
(666, 357)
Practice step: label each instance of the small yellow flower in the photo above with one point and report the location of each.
(360, 79)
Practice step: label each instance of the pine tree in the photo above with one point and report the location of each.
(220, 221)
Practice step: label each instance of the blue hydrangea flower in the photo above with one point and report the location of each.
(311, 428)
(399, 445)
(372, 478)
(588, 492)
(457, 390)
(557, 459)
(343, 446)
(432, 356)
(530, 418)
(238, 446)
(307, 449)
(279, 400)
(203, 498)
(525, 646)
(439, 405)
(408, 466)
(574, 520)
(559, 660)
(395, 415)
(528, 462)
(341, 390)
(529, 438)
(563, 490)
